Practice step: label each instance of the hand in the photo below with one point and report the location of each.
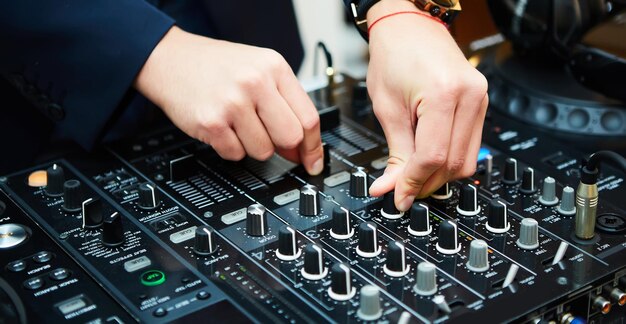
(237, 98)
(430, 101)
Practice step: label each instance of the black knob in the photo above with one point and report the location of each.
(288, 248)
(309, 201)
(419, 223)
(389, 209)
(368, 240)
(443, 192)
(256, 220)
(148, 196)
(528, 186)
(72, 195)
(204, 241)
(112, 230)
(510, 172)
(468, 201)
(341, 229)
(359, 182)
(313, 263)
(56, 179)
(92, 213)
(497, 218)
(395, 264)
(341, 282)
(448, 242)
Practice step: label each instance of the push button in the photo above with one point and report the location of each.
(42, 257)
(16, 266)
(159, 312)
(152, 278)
(59, 274)
(33, 283)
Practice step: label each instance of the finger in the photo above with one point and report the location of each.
(289, 154)
(472, 154)
(225, 142)
(279, 119)
(253, 136)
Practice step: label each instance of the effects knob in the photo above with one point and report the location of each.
(419, 222)
(341, 282)
(309, 201)
(256, 220)
(359, 183)
(442, 193)
(510, 172)
(288, 249)
(468, 201)
(341, 228)
(448, 242)
(528, 186)
(56, 179)
(369, 309)
(548, 192)
(528, 234)
(92, 213)
(112, 230)
(567, 207)
(389, 209)
(426, 279)
(148, 196)
(205, 241)
(72, 195)
(314, 268)
(368, 240)
(395, 264)
(497, 219)
(478, 256)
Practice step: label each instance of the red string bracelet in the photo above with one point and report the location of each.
(405, 12)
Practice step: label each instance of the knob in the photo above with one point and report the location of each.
(288, 249)
(309, 201)
(448, 242)
(548, 194)
(528, 234)
(468, 201)
(369, 309)
(567, 206)
(478, 256)
(359, 182)
(112, 230)
(395, 264)
(341, 282)
(256, 220)
(510, 172)
(92, 213)
(528, 182)
(341, 228)
(389, 209)
(205, 241)
(419, 223)
(72, 195)
(497, 219)
(426, 280)
(56, 179)
(443, 192)
(148, 196)
(368, 240)
(314, 268)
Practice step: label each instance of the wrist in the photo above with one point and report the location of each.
(386, 7)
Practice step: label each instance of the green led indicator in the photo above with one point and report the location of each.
(152, 278)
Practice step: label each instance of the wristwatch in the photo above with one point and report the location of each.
(446, 10)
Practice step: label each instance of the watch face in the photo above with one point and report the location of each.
(446, 3)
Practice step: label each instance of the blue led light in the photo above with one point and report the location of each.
(482, 153)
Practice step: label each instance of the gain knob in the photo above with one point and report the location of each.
(528, 234)
(478, 256)
(359, 183)
(497, 219)
(528, 182)
(510, 172)
(389, 209)
(448, 242)
(468, 201)
(368, 240)
(567, 207)
(204, 241)
(288, 249)
(72, 195)
(92, 213)
(112, 230)
(56, 179)
(314, 268)
(341, 228)
(443, 192)
(419, 223)
(369, 309)
(309, 201)
(341, 282)
(148, 196)
(548, 192)
(395, 265)
(426, 279)
(256, 220)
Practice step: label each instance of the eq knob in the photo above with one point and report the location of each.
(148, 196)
(478, 256)
(314, 268)
(443, 192)
(369, 309)
(341, 228)
(448, 242)
(389, 209)
(528, 186)
(204, 241)
(72, 195)
(510, 172)
(256, 220)
(341, 288)
(548, 192)
(395, 265)
(112, 230)
(309, 201)
(419, 222)
(368, 240)
(56, 179)
(359, 182)
(468, 201)
(288, 249)
(567, 207)
(426, 279)
(497, 218)
(528, 234)
(92, 213)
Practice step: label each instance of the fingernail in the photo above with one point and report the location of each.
(405, 203)
(317, 167)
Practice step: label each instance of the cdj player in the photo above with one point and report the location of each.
(160, 229)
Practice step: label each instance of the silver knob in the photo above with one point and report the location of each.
(478, 256)
(426, 281)
(548, 194)
(528, 234)
(567, 206)
(370, 309)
